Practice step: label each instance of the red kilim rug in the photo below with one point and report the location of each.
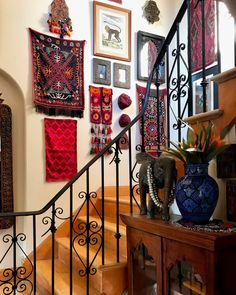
(61, 148)
(196, 34)
(151, 127)
(58, 75)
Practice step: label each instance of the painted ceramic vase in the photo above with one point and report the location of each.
(196, 194)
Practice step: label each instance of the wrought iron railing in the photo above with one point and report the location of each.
(17, 277)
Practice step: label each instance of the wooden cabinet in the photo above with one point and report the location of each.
(165, 259)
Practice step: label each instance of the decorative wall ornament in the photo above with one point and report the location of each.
(58, 75)
(61, 149)
(59, 21)
(151, 11)
(196, 34)
(100, 117)
(149, 120)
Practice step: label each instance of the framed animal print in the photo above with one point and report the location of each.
(111, 31)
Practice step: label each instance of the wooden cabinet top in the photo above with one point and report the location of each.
(212, 241)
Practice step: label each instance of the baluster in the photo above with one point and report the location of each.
(130, 172)
(142, 130)
(178, 81)
(14, 240)
(103, 210)
(168, 93)
(190, 83)
(87, 231)
(34, 251)
(71, 239)
(158, 110)
(204, 83)
(117, 235)
(53, 230)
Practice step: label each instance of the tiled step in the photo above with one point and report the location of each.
(61, 279)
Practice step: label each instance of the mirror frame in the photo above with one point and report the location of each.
(6, 185)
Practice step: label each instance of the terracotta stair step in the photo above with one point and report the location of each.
(61, 279)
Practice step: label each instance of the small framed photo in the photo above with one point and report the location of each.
(101, 71)
(121, 75)
(111, 31)
(148, 48)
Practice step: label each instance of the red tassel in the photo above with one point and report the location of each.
(109, 130)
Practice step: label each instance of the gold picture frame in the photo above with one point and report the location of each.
(111, 31)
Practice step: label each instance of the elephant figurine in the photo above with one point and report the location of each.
(156, 173)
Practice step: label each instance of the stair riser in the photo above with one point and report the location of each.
(110, 208)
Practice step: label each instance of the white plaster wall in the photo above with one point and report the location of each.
(30, 189)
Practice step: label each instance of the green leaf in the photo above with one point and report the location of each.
(216, 152)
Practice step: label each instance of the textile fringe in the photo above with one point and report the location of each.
(59, 112)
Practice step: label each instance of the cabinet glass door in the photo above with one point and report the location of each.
(183, 280)
(144, 272)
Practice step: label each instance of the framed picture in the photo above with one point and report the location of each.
(148, 47)
(101, 71)
(111, 31)
(211, 91)
(121, 75)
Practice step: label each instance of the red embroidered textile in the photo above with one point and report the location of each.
(196, 34)
(58, 75)
(61, 148)
(100, 117)
(151, 127)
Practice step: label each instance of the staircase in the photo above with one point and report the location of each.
(86, 254)
(111, 278)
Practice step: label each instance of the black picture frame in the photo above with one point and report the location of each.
(142, 70)
(101, 71)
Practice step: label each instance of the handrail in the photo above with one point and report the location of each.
(107, 147)
(90, 163)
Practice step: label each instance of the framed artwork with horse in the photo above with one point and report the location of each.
(111, 31)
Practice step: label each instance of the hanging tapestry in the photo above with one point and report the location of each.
(61, 149)
(59, 21)
(149, 123)
(100, 117)
(58, 75)
(196, 33)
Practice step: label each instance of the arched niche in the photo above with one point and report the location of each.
(14, 98)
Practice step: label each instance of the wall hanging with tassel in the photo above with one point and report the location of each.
(59, 21)
(100, 117)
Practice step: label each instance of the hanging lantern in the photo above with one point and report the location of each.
(151, 11)
(59, 21)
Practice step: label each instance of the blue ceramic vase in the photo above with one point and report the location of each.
(196, 194)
